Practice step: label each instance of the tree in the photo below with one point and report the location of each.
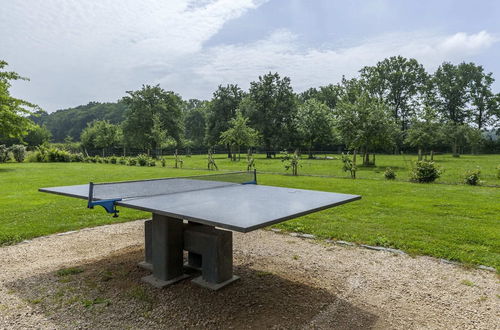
(485, 105)
(221, 110)
(426, 132)
(328, 95)
(14, 112)
(399, 82)
(37, 136)
(364, 124)
(451, 84)
(143, 106)
(195, 123)
(239, 134)
(271, 107)
(315, 123)
(100, 134)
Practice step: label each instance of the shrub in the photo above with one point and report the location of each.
(471, 177)
(4, 153)
(152, 162)
(425, 172)
(132, 161)
(122, 161)
(98, 159)
(57, 155)
(19, 152)
(105, 160)
(112, 159)
(78, 157)
(498, 172)
(143, 160)
(389, 174)
(163, 162)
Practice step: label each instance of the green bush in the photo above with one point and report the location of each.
(19, 152)
(498, 172)
(78, 157)
(425, 172)
(472, 178)
(389, 174)
(152, 162)
(4, 153)
(57, 155)
(122, 161)
(113, 159)
(163, 162)
(105, 160)
(98, 159)
(143, 160)
(132, 161)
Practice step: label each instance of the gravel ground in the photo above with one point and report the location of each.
(89, 279)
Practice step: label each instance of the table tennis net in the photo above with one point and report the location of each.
(165, 186)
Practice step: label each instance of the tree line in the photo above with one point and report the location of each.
(393, 106)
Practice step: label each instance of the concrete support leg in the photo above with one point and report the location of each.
(216, 250)
(167, 254)
(148, 248)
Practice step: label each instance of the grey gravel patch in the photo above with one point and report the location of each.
(488, 268)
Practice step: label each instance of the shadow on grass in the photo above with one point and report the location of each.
(6, 170)
(109, 293)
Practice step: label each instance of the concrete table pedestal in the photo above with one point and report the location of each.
(209, 250)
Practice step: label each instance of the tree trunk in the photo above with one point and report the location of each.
(373, 159)
(432, 155)
(419, 154)
(353, 170)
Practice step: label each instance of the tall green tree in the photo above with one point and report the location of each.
(399, 82)
(315, 124)
(143, 106)
(485, 104)
(221, 110)
(425, 132)
(100, 134)
(328, 95)
(14, 112)
(239, 134)
(37, 136)
(195, 123)
(271, 107)
(365, 123)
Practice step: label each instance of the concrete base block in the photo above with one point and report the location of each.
(150, 279)
(191, 267)
(214, 286)
(145, 265)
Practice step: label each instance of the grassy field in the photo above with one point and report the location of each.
(455, 222)
(453, 168)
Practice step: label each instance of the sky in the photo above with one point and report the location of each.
(77, 51)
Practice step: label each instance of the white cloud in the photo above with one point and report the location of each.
(282, 52)
(76, 51)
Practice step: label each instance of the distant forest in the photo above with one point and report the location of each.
(393, 106)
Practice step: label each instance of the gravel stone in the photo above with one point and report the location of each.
(286, 283)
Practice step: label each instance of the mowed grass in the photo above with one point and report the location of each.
(454, 222)
(453, 168)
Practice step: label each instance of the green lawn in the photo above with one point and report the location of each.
(455, 222)
(453, 168)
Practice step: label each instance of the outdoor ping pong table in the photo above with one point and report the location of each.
(191, 213)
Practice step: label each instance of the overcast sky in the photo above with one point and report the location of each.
(86, 50)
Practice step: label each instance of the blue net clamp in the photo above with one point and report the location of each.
(108, 204)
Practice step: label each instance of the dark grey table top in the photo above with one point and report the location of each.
(238, 207)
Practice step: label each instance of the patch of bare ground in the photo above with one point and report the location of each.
(89, 279)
